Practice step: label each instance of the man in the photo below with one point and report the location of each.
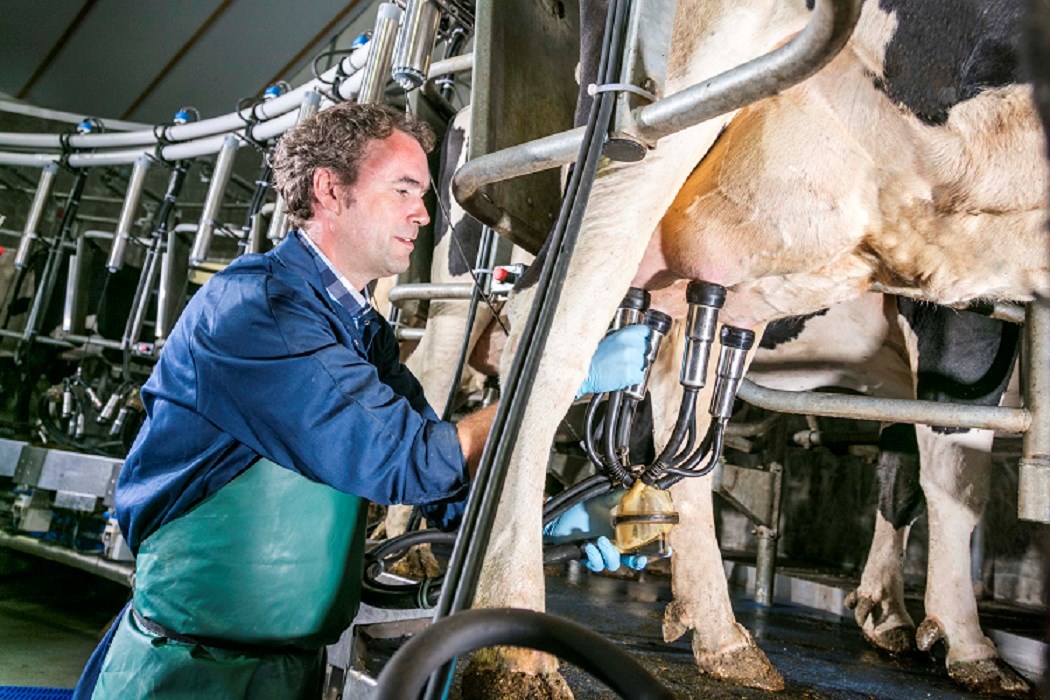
(279, 405)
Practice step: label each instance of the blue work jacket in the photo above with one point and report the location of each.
(264, 363)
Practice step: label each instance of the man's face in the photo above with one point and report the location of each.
(383, 209)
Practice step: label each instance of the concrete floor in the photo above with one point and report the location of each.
(51, 618)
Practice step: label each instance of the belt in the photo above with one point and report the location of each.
(158, 630)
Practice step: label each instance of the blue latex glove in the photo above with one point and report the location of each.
(590, 520)
(619, 360)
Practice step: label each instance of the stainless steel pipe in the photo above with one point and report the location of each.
(376, 72)
(812, 403)
(30, 233)
(127, 214)
(220, 177)
(425, 291)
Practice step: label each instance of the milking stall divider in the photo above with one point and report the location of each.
(522, 64)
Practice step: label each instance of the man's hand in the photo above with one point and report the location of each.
(619, 360)
(591, 520)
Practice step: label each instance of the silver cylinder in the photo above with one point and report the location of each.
(127, 214)
(380, 55)
(637, 391)
(730, 372)
(627, 317)
(700, 327)
(220, 177)
(36, 212)
(415, 43)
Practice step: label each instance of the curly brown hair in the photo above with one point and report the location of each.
(336, 138)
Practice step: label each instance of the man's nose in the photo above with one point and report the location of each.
(420, 216)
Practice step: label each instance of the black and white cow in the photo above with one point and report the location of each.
(896, 348)
(914, 159)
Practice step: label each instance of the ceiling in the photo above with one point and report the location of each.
(141, 60)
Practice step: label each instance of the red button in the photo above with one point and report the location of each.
(500, 274)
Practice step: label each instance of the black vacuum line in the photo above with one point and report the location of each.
(405, 675)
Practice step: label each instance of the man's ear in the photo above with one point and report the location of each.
(325, 195)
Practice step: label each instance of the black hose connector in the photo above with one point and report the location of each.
(637, 299)
(406, 674)
(737, 338)
(705, 294)
(658, 321)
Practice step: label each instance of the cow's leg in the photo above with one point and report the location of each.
(955, 479)
(723, 649)
(878, 603)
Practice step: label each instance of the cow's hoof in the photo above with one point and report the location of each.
(486, 682)
(418, 564)
(744, 665)
(899, 640)
(929, 633)
(898, 637)
(989, 676)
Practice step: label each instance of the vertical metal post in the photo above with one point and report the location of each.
(381, 54)
(174, 271)
(1033, 489)
(127, 214)
(220, 177)
(279, 219)
(766, 559)
(30, 233)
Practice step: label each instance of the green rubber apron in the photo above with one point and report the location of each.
(270, 565)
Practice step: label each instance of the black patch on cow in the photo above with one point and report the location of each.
(784, 330)
(466, 233)
(963, 357)
(900, 495)
(944, 52)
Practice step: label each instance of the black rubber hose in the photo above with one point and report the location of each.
(571, 493)
(425, 593)
(550, 514)
(591, 433)
(692, 469)
(610, 448)
(672, 452)
(711, 444)
(406, 674)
